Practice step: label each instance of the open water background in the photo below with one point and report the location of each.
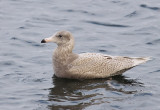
(114, 27)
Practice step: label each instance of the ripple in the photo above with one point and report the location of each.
(43, 101)
(14, 38)
(116, 1)
(11, 54)
(116, 106)
(47, 20)
(22, 27)
(134, 13)
(154, 42)
(33, 43)
(80, 11)
(7, 63)
(152, 8)
(82, 93)
(157, 71)
(101, 50)
(124, 80)
(144, 94)
(39, 80)
(107, 24)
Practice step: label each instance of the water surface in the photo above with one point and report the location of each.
(127, 28)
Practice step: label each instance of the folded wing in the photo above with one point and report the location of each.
(93, 65)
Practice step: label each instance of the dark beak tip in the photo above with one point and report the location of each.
(43, 41)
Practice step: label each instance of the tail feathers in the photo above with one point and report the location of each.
(141, 60)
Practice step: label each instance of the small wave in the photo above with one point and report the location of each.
(132, 14)
(7, 63)
(154, 42)
(22, 27)
(101, 50)
(14, 38)
(80, 11)
(115, 1)
(157, 71)
(152, 8)
(144, 94)
(39, 80)
(28, 42)
(47, 20)
(33, 43)
(107, 24)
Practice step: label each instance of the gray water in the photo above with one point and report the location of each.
(114, 27)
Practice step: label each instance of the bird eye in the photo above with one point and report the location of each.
(60, 35)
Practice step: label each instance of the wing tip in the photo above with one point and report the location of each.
(141, 60)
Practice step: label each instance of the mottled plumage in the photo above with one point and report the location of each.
(67, 64)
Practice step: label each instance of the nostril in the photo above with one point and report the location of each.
(43, 41)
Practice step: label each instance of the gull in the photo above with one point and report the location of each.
(67, 64)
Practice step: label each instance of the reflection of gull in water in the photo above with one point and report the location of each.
(79, 94)
(87, 65)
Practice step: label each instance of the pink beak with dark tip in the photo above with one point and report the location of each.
(43, 41)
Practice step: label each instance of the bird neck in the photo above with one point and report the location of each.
(64, 49)
(62, 53)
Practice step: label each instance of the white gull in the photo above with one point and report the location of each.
(67, 64)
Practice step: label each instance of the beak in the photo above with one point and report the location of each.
(47, 40)
(43, 41)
